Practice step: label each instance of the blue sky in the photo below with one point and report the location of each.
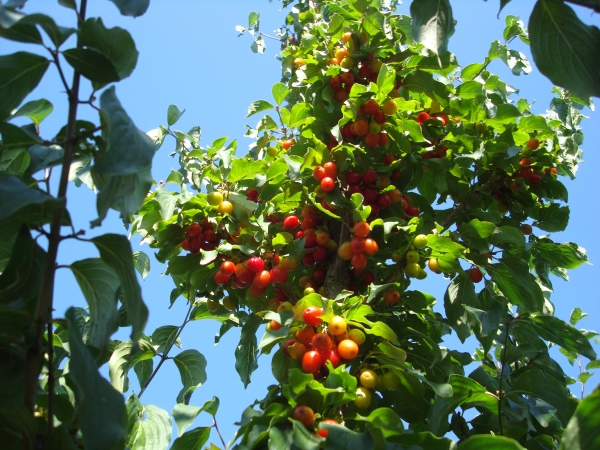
(190, 56)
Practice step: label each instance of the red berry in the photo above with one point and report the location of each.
(327, 184)
(311, 316)
(291, 222)
(369, 177)
(475, 275)
(256, 264)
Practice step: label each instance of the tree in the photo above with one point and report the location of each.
(371, 162)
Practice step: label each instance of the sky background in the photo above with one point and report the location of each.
(190, 56)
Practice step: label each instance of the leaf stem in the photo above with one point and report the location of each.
(165, 354)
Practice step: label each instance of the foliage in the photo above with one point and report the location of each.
(377, 158)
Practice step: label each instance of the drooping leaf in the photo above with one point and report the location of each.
(432, 23)
(115, 251)
(122, 173)
(130, 149)
(99, 284)
(20, 73)
(101, 410)
(460, 293)
(246, 351)
(192, 369)
(142, 263)
(564, 48)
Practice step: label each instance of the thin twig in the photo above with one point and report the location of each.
(270, 37)
(219, 432)
(56, 60)
(165, 354)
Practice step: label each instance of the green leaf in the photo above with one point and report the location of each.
(465, 390)
(36, 110)
(21, 31)
(582, 432)
(304, 439)
(564, 48)
(192, 440)
(22, 204)
(446, 251)
(516, 283)
(20, 73)
(567, 256)
(489, 442)
(115, 251)
(101, 410)
(21, 279)
(141, 262)
(300, 114)
(184, 415)
(538, 383)
(192, 369)
(280, 92)
(555, 330)
(129, 149)
(339, 437)
(258, 106)
(553, 218)
(245, 169)
(164, 337)
(128, 159)
(246, 351)
(149, 426)
(253, 19)
(460, 293)
(133, 8)
(115, 44)
(100, 286)
(92, 64)
(576, 316)
(173, 114)
(385, 420)
(432, 24)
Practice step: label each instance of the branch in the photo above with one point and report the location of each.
(165, 354)
(292, 297)
(43, 313)
(500, 393)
